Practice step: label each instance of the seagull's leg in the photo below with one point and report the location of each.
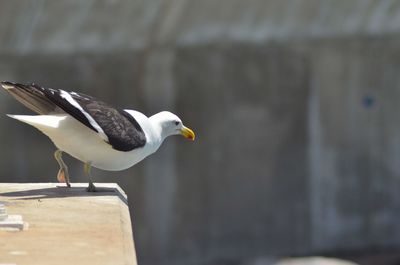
(63, 175)
(87, 168)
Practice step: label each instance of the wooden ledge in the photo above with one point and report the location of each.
(67, 225)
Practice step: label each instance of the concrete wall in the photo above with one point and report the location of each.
(294, 104)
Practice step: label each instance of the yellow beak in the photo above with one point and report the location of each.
(188, 133)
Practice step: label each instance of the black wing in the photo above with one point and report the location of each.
(114, 125)
(32, 97)
(122, 130)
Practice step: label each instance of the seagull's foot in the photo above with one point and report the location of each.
(91, 187)
(63, 176)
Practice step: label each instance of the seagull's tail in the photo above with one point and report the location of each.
(41, 122)
(31, 96)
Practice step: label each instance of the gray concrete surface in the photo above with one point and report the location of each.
(107, 25)
(294, 103)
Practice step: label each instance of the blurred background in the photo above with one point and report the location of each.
(295, 104)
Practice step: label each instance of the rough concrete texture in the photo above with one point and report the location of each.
(67, 226)
(108, 25)
(294, 104)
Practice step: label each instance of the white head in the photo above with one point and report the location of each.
(169, 124)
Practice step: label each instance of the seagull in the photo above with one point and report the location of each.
(93, 131)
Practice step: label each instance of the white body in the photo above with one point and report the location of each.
(74, 138)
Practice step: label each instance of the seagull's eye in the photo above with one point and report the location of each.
(176, 123)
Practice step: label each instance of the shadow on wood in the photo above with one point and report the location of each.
(62, 192)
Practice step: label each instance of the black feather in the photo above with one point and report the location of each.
(124, 133)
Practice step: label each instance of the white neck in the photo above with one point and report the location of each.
(157, 127)
(155, 121)
(150, 128)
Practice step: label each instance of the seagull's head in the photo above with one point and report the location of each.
(170, 124)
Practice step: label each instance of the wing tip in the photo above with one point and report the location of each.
(8, 84)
